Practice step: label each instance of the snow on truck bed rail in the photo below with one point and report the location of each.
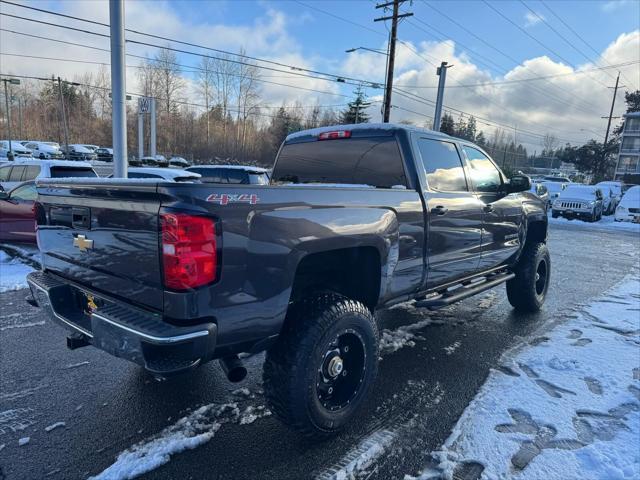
(98, 180)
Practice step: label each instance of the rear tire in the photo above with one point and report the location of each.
(527, 291)
(323, 365)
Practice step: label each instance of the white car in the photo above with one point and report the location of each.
(241, 174)
(19, 150)
(45, 150)
(628, 209)
(168, 174)
(18, 171)
(615, 194)
(579, 201)
(93, 148)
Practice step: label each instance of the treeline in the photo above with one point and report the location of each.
(219, 115)
(500, 146)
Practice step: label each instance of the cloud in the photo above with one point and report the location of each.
(531, 18)
(568, 104)
(613, 5)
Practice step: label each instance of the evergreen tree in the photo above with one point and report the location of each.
(481, 139)
(470, 130)
(356, 109)
(446, 125)
(461, 127)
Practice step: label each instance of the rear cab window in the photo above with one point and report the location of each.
(368, 160)
(66, 172)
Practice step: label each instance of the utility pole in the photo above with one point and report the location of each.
(613, 103)
(64, 118)
(118, 96)
(12, 81)
(441, 71)
(20, 117)
(392, 51)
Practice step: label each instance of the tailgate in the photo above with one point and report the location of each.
(103, 236)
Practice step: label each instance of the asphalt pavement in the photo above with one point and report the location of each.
(427, 377)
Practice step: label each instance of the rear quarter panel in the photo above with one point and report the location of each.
(263, 243)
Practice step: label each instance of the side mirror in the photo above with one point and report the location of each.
(519, 183)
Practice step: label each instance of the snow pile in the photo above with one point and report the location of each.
(187, 433)
(567, 407)
(606, 223)
(13, 273)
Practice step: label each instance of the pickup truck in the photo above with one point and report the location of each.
(356, 218)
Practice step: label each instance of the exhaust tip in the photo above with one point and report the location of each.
(233, 368)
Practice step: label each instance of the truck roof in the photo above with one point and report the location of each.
(314, 132)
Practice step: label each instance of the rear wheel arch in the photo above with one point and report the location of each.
(354, 272)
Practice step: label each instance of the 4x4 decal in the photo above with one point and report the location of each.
(226, 198)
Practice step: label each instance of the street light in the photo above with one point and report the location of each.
(12, 81)
(351, 50)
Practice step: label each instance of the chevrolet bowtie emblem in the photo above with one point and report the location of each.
(83, 243)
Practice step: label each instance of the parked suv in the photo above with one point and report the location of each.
(45, 150)
(80, 152)
(357, 218)
(18, 171)
(579, 201)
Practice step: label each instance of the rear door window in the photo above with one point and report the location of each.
(16, 173)
(443, 165)
(373, 161)
(65, 172)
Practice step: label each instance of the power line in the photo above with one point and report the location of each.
(500, 51)
(531, 79)
(503, 70)
(192, 68)
(360, 81)
(552, 28)
(172, 40)
(579, 37)
(179, 102)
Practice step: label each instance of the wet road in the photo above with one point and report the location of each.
(429, 372)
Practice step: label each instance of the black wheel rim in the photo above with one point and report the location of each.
(541, 278)
(341, 371)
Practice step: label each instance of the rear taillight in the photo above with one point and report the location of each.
(189, 254)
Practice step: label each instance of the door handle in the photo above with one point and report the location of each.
(439, 210)
(487, 208)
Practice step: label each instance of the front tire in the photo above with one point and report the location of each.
(323, 365)
(528, 290)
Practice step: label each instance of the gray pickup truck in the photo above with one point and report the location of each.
(355, 219)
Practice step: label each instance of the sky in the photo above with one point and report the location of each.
(495, 48)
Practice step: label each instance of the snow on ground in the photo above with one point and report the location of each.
(606, 223)
(187, 433)
(13, 273)
(568, 407)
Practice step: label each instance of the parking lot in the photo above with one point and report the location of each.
(80, 410)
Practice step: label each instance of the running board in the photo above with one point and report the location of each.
(448, 297)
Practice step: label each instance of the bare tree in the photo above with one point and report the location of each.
(248, 98)
(206, 88)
